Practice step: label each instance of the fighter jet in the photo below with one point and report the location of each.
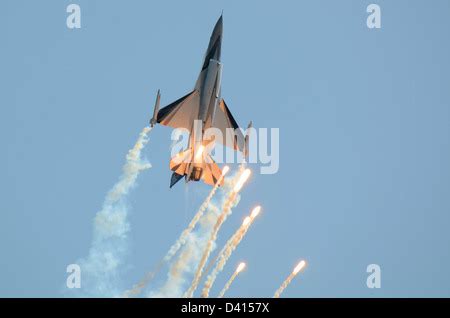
(202, 105)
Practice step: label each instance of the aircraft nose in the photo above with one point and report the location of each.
(219, 25)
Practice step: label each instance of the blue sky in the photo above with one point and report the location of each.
(364, 138)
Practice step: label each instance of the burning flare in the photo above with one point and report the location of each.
(239, 269)
(288, 280)
(198, 154)
(299, 267)
(255, 212)
(242, 179)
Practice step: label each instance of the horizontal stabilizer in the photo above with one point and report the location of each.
(175, 178)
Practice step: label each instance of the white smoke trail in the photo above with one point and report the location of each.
(182, 239)
(284, 285)
(226, 210)
(228, 284)
(137, 289)
(185, 264)
(225, 254)
(100, 270)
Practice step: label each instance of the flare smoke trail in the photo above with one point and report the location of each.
(137, 288)
(288, 280)
(227, 250)
(213, 261)
(254, 213)
(226, 210)
(180, 242)
(227, 207)
(109, 246)
(230, 281)
(185, 264)
(182, 239)
(228, 284)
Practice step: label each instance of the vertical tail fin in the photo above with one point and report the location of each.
(178, 165)
(175, 178)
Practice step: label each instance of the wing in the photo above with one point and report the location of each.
(181, 113)
(223, 120)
